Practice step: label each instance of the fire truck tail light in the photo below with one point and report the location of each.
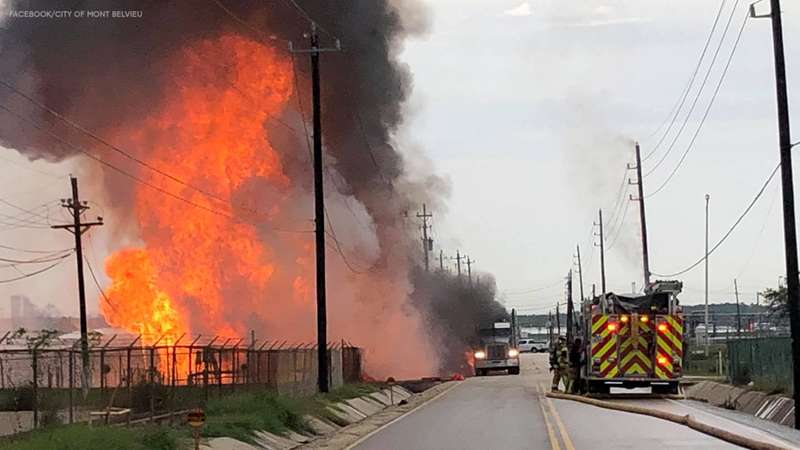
(662, 327)
(612, 327)
(662, 360)
(623, 319)
(644, 319)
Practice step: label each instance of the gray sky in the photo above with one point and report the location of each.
(530, 109)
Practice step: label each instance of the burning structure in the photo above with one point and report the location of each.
(198, 120)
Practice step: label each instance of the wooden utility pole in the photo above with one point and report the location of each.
(469, 268)
(558, 320)
(602, 254)
(708, 197)
(319, 209)
(570, 308)
(580, 271)
(458, 263)
(427, 243)
(738, 311)
(441, 260)
(642, 219)
(77, 228)
(789, 226)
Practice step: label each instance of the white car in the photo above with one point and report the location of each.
(532, 345)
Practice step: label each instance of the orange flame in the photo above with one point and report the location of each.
(208, 132)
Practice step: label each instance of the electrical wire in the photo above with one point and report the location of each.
(699, 91)
(705, 114)
(31, 274)
(97, 284)
(619, 228)
(307, 17)
(43, 259)
(24, 250)
(536, 289)
(730, 230)
(136, 178)
(682, 98)
(128, 155)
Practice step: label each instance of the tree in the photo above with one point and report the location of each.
(777, 301)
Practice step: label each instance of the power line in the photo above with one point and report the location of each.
(537, 289)
(31, 274)
(618, 230)
(24, 250)
(699, 91)
(707, 111)
(728, 233)
(682, 98)
(97, 284)
(307, 17)
(134, 177)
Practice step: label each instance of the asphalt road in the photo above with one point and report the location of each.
(511, 412)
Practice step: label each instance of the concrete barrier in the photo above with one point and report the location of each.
(775, 408)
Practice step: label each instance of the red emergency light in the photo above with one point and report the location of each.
(662, 327)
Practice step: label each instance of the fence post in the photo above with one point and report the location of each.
(71, 385)
(35, 368)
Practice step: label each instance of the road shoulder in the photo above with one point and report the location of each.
(352, 435)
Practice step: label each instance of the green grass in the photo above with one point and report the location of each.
(236, 415)
(81, 437)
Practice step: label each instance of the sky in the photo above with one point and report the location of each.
(530, 109)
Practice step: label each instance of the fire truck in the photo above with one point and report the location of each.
(634, 341)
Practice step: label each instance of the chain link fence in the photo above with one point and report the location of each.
(133, 378)
(764, 362)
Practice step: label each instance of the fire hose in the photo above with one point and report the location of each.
(686, 420)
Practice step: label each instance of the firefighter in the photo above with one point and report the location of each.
(559, 364)
(575, 360)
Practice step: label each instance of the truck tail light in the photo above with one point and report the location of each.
(662, 360)
(612, 327)
(662, 327)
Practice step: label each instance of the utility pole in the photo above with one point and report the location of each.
(580, 272)
(708, 336)
(77, 228)
(789, 227)
(570, 308)
(469, 268)
(458, 263)
(642, 219)
(319, 208)
(441, 260)
(558, 320)
(738, 311)
(602, 254)
(427, 244)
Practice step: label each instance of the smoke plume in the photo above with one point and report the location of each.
(206, 113)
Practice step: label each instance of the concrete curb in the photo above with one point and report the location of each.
(354, 434)
(775, 408)
(686, 420)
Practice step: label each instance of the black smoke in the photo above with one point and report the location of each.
(455, 308)
(102, 73)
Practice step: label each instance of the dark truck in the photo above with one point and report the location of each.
(497, 349)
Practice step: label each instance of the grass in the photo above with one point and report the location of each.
(236, 415)
(80, 437)
(239, 415)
